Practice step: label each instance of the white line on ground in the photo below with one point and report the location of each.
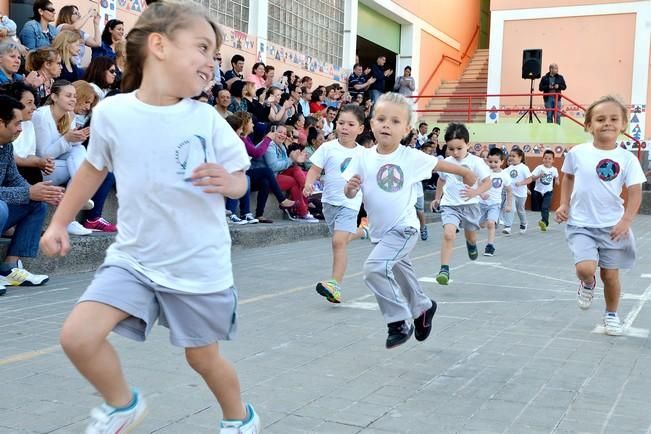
(630, 318)
(645, 275)
(528, 273)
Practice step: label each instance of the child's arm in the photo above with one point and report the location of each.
(633, 201)
(469, 193)
(216, 179)
(469, 178)
(563, 211)
(438, 195)
(525, 181)
(84, 184)
(509, 199)
(312, 175)
(352, 186)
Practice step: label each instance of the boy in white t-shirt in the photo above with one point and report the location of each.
(386, 174)
(520, 178)
(340, 212)
(546, 177)
(460, 202)
(491, 200)
(598, 224)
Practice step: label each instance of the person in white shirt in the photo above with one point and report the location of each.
(598, 228)
(340, 212)
(422, 135)
(171, 259)
(387, 175)
(328, 124)
(546, 177)
(491, 200)
(460, 201)
(520, 178)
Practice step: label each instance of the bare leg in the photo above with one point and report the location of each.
(585, 271)
(339, 254)
(221, 378)
(612, 288)
(490, 225)
(83, 338)
(471, 236)
(421, 219)
(449, 234)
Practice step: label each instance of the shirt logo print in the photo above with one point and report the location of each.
(344, 164)
(390, 178)
(607, 169)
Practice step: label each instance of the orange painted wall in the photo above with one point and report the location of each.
(432, 49)
(564, 40)
(529, 4)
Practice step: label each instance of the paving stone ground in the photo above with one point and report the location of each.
(510, 351)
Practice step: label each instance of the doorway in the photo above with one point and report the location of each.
(368, 52)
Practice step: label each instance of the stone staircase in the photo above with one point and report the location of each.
(473, 80)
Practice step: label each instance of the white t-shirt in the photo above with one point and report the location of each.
(599, 176)
(499, 180)
(518, 173)
(25, 144)
(389, 186)
(169, 230)
(334, 158)
(454, 183)
(546, 181)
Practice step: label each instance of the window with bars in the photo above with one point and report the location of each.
(230, 13)
(312, 27)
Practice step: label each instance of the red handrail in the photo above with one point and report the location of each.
(474, 35)
(443, 57)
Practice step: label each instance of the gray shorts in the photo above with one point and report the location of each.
(420, 203)
(489, 211)
(340, 218)
(461, 216)
(194, 320)
(594, 244)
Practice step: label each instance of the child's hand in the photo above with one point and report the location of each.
(434, 205)
(620, 230)
(484, 196)
(468, 193)
(562, 213)
(308, 189)
(353, 185)
(469, 178)
(214, 177)
(55, 241)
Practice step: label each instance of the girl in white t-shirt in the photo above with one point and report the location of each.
(598, 223)
(340, 212)
(175, 160)
(387, 175)
(520, 178)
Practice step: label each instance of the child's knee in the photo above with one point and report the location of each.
(202, 359)
(609, 276)
(340, 240)
(449, 232)
(490, 224)
(586, 269)
(77, 341)
(373, 268)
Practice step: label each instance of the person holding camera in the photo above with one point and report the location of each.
(552, 82)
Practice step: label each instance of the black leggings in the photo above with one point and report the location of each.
(263, 181)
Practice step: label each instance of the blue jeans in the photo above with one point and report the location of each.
(550, 104)
(100, 197)
(28, 220)
(245, 201)
(374, 94)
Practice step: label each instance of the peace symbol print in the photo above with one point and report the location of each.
(607, 169)
(513, 173)
(496, 182)
(390, 178)
(344, 164)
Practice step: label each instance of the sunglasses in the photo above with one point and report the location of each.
(50, 10)
(112, 71)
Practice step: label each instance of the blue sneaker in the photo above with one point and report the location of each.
(249, 426)
(424, 233)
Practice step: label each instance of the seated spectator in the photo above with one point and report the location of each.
(289, 174)
(298, 122)
(46, 62)
(257, 110)
(29, 165)
(257, 75)
(57, 139)
(10, 64)
(329, 124)
(306, 82)
(68, 45)
(331, 97)
(238, 103)
(220, 81)
(112, 34)
(70, 19)
(314, 140)
(101, 75)
(21, 205)
(317, 104)
(39, 31)
(269, 75)
(86, 100)
(235, 74)
(296, 93)
(282, 107)
(222, 102)
(120, 62)
(8, 32)
(304, 101)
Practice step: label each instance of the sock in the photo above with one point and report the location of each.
(7, 266)
(445, 268)
(134, 401)
(590, 285)
(611, 313)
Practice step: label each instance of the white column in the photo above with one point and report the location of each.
(495, 64)
(258, 12)
(350, 34)
(640, 78)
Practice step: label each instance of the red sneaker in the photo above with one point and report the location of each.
(100, 224)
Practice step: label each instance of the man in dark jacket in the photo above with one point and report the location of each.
(552, 82)
(378, 72)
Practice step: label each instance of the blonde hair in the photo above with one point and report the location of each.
(63, 124)
(120, 48)
(61, 43)
(37, 58)
(602, 100)
(395, 99)
(85, 92)
(164, 17)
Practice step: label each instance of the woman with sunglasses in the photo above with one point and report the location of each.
(71, 19)
(101, 75)
(39, 31)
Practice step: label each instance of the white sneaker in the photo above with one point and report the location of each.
(236, 220)
(308, 218)
(250, 219)
(108, 420)
(75, 228)
(506, 230)
(21, 277)
(523, 229)
(89, 205)
(613, 324)
(250, 426)
(584, 295)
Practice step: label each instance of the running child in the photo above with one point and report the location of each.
(460, 201)
(420, 199)
(520, 178)
(339, 211)
(489, 204)
(598, 228)
(546, 177)
(171, 259)
(387, 175)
